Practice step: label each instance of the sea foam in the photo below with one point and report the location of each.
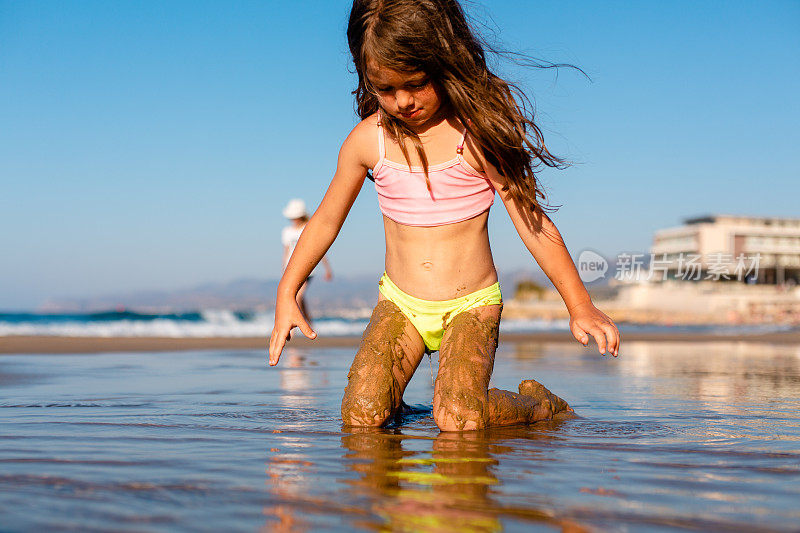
(205, 323)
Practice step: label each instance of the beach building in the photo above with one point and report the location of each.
(761, 250)
(716, 269)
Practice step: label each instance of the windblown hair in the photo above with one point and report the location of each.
(433, 36)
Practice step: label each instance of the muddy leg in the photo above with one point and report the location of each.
(534, 389)
(390, 351)
(461, 400)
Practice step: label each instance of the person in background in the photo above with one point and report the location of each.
(296, 212)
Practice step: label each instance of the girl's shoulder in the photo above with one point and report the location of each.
(362, 141)
(368, 127)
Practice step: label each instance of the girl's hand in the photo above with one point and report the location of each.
(287, 316)
(585, 319)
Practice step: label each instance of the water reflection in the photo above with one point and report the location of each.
(734, 371)
(448, 483)
(719, 372)
(289, 481)
(700, 436)
(295, 379)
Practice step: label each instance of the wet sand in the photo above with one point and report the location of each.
(52, 345)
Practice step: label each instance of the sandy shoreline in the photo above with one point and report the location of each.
(51, 345)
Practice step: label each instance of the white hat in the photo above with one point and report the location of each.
(296, 208)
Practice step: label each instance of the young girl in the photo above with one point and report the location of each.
(441, 134)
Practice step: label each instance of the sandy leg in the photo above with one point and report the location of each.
(390, 351)
(534, 389)
(462, 400)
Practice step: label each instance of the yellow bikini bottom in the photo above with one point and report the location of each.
(430, 317)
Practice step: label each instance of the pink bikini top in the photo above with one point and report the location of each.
(458, 191)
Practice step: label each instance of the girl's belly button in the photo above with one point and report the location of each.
(427, 265)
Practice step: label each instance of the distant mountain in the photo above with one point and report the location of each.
(341, 295)
(241, 294)
(248, 294)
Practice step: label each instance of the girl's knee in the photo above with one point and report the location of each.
(365, 410)
(373, 392)
(466, 358)
(460, 409)
(389, 353)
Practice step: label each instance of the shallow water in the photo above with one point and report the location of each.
(674, 436)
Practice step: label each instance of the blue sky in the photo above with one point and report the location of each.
(152, 145)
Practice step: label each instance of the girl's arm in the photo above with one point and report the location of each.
(543, 240)
(318, 235)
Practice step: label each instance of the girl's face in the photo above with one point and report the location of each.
(409, 96)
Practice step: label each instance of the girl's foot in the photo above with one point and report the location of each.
(531, 387)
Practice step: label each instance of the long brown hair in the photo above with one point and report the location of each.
(433, 36)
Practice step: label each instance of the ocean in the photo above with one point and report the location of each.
(671, 437)
(226, 323)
